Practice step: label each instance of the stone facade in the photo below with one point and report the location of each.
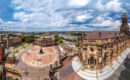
(11, 59)
(44, 42)
(13, 41)
(100, 48)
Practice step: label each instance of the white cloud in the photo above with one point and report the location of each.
(13, 26)
(78, 3)
(44, 14)
(41, 12)
(109, 23)
(83, 17)
(105, 20)
(1, 21)
(78, 28)
(113, 5)
(50, 15)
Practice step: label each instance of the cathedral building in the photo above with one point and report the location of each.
(100, 48)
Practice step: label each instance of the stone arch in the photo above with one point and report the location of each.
(105, 58)
(92, 49)
(92, 62)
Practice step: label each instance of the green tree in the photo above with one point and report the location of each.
(29, 39)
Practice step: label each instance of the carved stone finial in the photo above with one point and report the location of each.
(100, 35)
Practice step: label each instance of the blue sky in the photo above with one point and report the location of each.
(62, 15)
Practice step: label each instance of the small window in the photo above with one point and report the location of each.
(84, 48)
(91, 49)
(99, 49)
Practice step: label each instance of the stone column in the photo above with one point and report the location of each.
(86, 60)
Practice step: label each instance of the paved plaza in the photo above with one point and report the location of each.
(32, 65)
(33, 58)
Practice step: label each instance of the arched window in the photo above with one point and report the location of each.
(84, 48)
(88, 61)
(92, 49)
(92, 60)
(105, 56)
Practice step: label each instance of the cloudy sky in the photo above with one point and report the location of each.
(62, 15)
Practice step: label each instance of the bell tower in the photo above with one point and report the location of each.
(124, 29)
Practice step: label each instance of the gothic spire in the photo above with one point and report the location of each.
(124, 29)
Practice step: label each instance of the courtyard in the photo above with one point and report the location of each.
(33, 65)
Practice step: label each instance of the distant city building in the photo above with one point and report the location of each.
(46, 34)
(20, 34)
(11, 59)
(12, 41)
(45, 41)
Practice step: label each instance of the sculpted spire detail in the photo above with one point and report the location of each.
(124, 26)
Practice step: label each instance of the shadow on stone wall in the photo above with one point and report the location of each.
(126, 73)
